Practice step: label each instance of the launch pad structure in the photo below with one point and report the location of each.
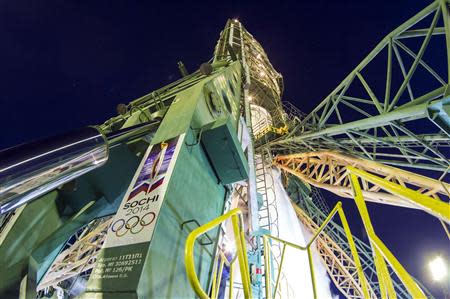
(178, 195)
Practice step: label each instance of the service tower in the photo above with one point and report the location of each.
(209, 187)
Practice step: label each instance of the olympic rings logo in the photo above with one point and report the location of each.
(121, 227)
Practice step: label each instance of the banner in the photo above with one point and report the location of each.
(137, 214)
(119, 264)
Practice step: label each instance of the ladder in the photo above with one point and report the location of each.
(268, 214)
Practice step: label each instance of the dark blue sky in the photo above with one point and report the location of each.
(67, 64)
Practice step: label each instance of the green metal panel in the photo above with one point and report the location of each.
(102, 185)
(225, 152)
(193, 192)
(38, 220)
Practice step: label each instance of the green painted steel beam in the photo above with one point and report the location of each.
(404, 114)
(412, 132)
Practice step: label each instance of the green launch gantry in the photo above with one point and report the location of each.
(403, 123)
(204, 109)
(105, 211)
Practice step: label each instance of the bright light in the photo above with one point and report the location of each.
(250, 98)
(438, 268)
(262, 74)
(235, 20)
(258, 56)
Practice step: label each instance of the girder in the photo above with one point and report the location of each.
(77, 257)
(314, 206)
(327, 170)
(403, 122)
(266, 84)
(339, 265)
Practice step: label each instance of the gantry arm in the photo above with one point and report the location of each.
(403, 122)
(328, 170)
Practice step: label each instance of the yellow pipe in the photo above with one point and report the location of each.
(429, 204)
(279, 268)
(336, 209)
(242, 255)
(286, 242)
(404, 276)
(311, 270)
(230, 291)
(385, 280)
(243, 244)
(351, 242)
(325, 223)
(214, 282)
(364, 287)
(216, 294)
(380, 274)
(381, 249)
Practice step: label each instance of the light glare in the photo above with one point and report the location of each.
(438, 268)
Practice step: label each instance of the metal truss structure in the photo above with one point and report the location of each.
(334, 249)
(77, 258)
(368, 125)
(263, 89)
(339, 264)
(403, 122)
(264, 83)
(152, 106)
(327, 170)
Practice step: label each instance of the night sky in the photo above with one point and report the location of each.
(67, 64)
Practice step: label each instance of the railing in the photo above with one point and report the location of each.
(279, 131)
(381, 253)
(241, 255)
(267, 262)
(433, 206)
(281, 280)
(217, 275)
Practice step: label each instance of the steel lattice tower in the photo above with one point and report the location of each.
(226, 125)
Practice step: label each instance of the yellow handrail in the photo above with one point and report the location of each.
(238, 229)
(280, 131)
(381, 252)
(223, 261)
(428, 204)
(267, 266)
